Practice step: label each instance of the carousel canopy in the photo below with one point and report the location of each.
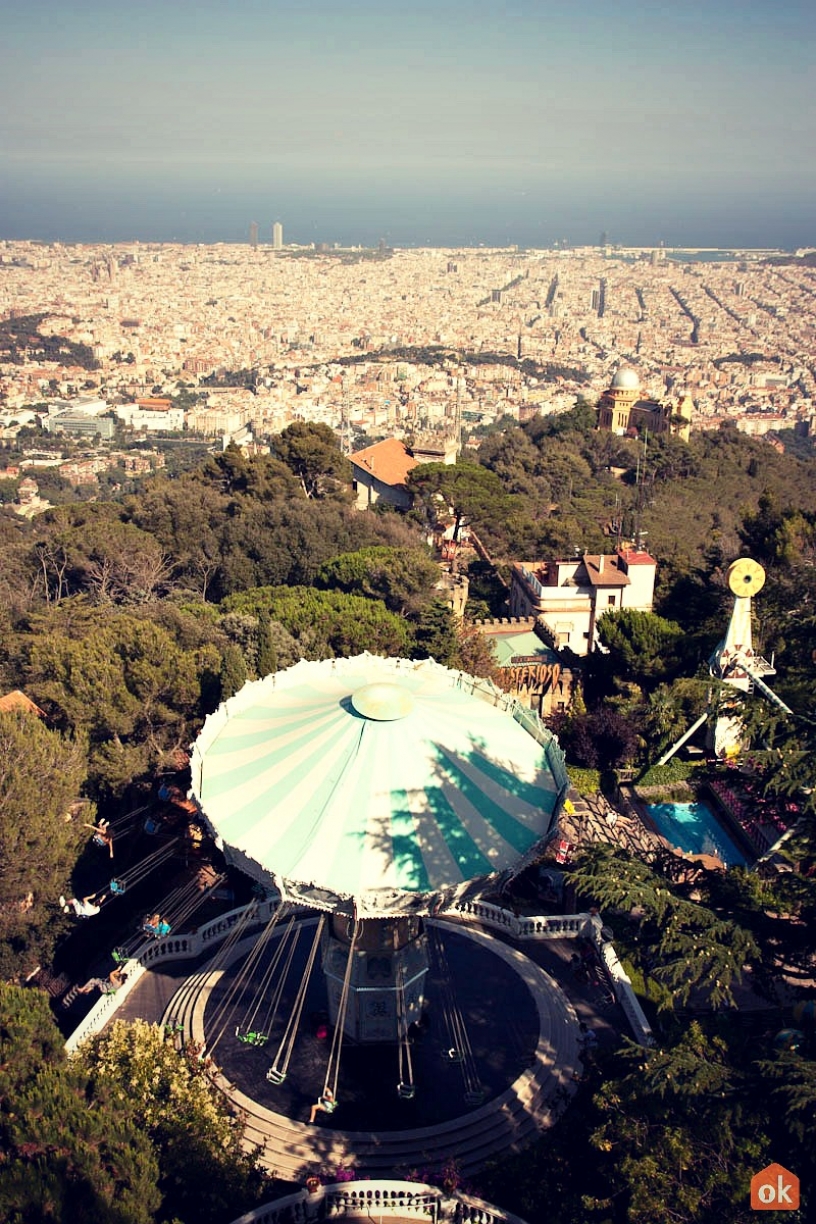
(375, 779)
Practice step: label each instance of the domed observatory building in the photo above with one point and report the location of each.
(623, 407)
(379, 791)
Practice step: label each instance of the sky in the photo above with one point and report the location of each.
(454, 122)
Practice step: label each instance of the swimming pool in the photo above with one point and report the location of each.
(693, 827)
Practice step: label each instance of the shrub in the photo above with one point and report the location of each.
(586, 781)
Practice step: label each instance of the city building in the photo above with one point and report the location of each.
(80, 424)
(277, 236)
(622, 408)
(568, 597)
(217, 421)
(175, 313)
(28, 502)
(253, 234)
(19, 701)
(435, 448)
(152, 415)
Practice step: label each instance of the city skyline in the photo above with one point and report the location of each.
(448, 124)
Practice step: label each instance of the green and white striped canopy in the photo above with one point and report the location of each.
(384, 780)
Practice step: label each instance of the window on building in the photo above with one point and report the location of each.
(611, 600)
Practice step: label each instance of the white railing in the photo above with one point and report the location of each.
(171, 948)
(569, 926)
(104, 1008)
(545, 926)
(378, 1200)
(626, 996)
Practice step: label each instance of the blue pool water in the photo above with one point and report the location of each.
(693, 827)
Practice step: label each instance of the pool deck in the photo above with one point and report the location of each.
(596, 820)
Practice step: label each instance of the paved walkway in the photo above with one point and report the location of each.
(541, 1085)
(596, 820)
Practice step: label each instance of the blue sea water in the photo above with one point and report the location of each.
(693, 827)
(97, 203)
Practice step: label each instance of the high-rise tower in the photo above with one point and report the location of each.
(277, 236)
(253, 234)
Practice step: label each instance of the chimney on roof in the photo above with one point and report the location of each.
(601, 560)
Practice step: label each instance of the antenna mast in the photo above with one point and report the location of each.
(640, 480)
(345, 418)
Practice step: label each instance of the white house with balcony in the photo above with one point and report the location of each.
(570, 595)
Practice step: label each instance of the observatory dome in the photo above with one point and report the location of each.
(389, 781)
(625, 380)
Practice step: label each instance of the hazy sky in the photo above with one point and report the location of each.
(459, 120)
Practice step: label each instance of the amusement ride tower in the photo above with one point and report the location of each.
(735, 661)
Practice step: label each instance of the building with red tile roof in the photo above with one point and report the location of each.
(380, 472)
(17, 700)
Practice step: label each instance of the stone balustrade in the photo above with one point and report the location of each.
(626, 996)
(378, 1200)
(104, 1008)
(548, 926)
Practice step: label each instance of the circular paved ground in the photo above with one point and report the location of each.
(516, 1018)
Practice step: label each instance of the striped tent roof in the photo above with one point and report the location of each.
(384, 780)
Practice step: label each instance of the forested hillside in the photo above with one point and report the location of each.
(574, 484)
(127, 621)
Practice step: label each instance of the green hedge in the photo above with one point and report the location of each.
(669, 774)
(586, 781)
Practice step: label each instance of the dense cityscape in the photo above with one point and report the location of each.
(232, 342)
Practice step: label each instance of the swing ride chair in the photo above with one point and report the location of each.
(323, 783)
(108, 833)
(125, 880)
(176, 909)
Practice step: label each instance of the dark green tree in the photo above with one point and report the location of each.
(680, 1135)
(41, 776)
(68, 1153)
(470, 490)
(778, 537)
(117, 678)
(435, 634)
(669, 711)
(642, 647)
(267, 650)
(687, 949)
(109, 559)
(186, 516)
(402, 578)
(312, 452)
(601, 738)
(328, 623)
(233, 672)
(792, 1081)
